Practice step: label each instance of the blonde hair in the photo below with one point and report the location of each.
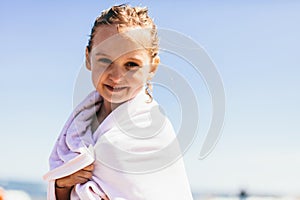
(125, 16)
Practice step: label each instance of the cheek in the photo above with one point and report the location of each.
(97, 76)
(96, 68)
(137, 78)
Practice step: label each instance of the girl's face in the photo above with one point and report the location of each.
(120, 66)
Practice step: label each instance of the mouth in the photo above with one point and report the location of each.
(115, 88)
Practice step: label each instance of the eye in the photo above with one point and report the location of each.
(105, 61)
(131, 64)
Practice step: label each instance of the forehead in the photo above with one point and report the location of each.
(114, 41)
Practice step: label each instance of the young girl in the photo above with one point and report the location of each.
(117, 144)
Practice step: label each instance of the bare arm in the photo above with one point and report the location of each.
(63, 193)
(63, 186)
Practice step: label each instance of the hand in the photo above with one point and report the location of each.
(81, 176)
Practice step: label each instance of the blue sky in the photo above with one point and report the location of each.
(255, 46)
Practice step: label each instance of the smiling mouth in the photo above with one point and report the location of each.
(115, 88)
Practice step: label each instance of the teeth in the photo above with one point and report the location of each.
(117, 87)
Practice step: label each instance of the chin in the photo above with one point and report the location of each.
(115, 99)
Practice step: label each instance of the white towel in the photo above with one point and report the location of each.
(134, 150)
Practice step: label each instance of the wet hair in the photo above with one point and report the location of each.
(126, 16)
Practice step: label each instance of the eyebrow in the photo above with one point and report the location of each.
(136, 58)
(101, 54)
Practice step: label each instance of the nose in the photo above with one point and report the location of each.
(116, 73)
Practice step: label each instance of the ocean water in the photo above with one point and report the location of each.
(37, 191)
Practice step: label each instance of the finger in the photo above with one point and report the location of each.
(89, 168)
(71, 181)
(81, 180)
(80, 174)
(85, 174)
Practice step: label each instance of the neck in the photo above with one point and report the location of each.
(108, 107)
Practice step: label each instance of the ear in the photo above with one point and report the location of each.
(87, 59)
(154, 66)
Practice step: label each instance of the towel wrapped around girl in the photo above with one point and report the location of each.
(134, 150)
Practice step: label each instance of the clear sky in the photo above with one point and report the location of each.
(255, 46)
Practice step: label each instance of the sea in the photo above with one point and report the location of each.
(37, 191)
